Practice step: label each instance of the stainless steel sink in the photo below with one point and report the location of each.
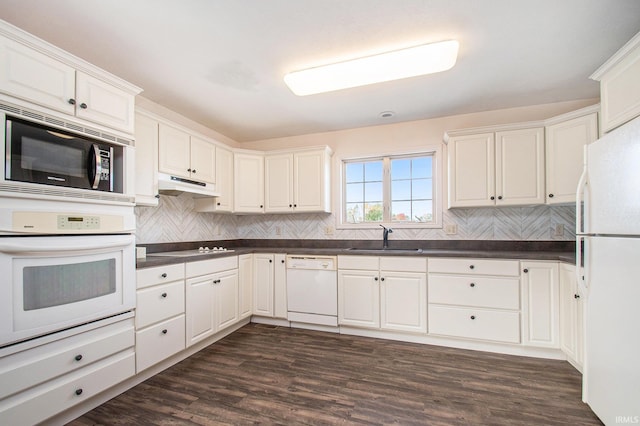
(384, 250)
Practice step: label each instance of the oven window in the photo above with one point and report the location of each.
(53, 285)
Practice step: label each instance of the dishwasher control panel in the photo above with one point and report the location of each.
(321, 263)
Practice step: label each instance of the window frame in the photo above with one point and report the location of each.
(438, 179)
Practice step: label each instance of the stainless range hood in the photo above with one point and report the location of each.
(174, 185)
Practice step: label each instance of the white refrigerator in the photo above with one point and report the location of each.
(608, 272)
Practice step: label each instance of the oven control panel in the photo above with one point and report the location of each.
(35, 222)
(78, 222)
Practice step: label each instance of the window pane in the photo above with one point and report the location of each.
(354, 212)
(400, 190)
(401, 211)
(373, 212)
(354, 172)
(401, 169)
(373, 192)
(355, 192)
(422, 211)
(421, 167)
(422, 189)
(373, 171)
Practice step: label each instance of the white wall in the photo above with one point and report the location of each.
(174, 219)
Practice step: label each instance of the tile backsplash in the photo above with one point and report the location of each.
(174, 220)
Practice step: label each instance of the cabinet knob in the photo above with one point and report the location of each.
(164, 294)
(493, 198)
(193, 171)
(576, 296)
(189, 170)
(473, 317)
(499, 197)
(72, 101)
(84, 106)
(290, 205)
(550, 195)
(472, 267)
(295, 205)
(164, 331)
(261, 206)
(79, 391)
(382, 279)
(78, 357)
(525, 270)
(218, 203)
(164, 275)
(157, 195)
(375, 278)
(472, 285)
(282, 261)
(270, 261)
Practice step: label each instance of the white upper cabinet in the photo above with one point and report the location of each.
(146, 137)
(298, 181)
(53, 79)
(248, 180)
(565, 138)
(185, 155)
(500, 168)
(619, 79)
(224, 179)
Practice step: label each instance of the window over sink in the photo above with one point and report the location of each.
(397, 190)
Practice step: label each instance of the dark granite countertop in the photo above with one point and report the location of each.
(563, 251)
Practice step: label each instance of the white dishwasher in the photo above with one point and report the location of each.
(312, 289)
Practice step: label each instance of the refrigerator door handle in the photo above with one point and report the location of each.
(582, 183)
(581, 270)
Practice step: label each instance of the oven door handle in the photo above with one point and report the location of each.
(78, 246)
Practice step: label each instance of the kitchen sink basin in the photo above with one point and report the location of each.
(384, 250)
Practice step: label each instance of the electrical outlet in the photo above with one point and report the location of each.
(451, 229)
(559, 230)
(141, 252)
(278, 230)
(328, 230)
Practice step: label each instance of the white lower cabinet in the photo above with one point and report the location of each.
(475, 299)
(388, 293)
(40, 382)
(270, 285)
(540, 305)
(211, 297)
(245, 285)
(160, 319)
(571, 316)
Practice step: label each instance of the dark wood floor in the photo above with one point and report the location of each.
(274, 375)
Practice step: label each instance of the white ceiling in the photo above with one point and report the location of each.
(221, 62)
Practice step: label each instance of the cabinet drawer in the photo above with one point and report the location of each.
(42, 402)
(159, 303)
(359, 262)
(475, 266)
(156, 343)
(483, 324)
(29, 368)
(403, 264)
(159, 275)
(211, 266)
(488, 292)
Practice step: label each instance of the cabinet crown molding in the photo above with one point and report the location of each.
(618, 57)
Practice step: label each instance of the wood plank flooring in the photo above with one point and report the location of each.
(276, 375)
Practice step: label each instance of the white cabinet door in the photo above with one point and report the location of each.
(403, 301)
(248, 180)
(226, 299)
(103, 103)
(36, 77)
(359, 298)
(520, 167)
(540, 304)
(280, 286)
(278, 184)
(224, 179)
(146, 137)
(564, 151)
(200, 321)
(263, 289)
(310, 182)
(174, 155)
(245, 283)
(203, 160)
(472, 170)
(571, 315)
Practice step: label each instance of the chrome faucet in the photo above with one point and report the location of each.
(385, 236)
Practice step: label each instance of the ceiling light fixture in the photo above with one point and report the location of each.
(395, 65)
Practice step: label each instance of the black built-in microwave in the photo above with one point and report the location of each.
(45, 155)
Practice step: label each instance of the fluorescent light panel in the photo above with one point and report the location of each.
(395, 65)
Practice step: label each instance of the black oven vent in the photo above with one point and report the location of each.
(42, 118)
